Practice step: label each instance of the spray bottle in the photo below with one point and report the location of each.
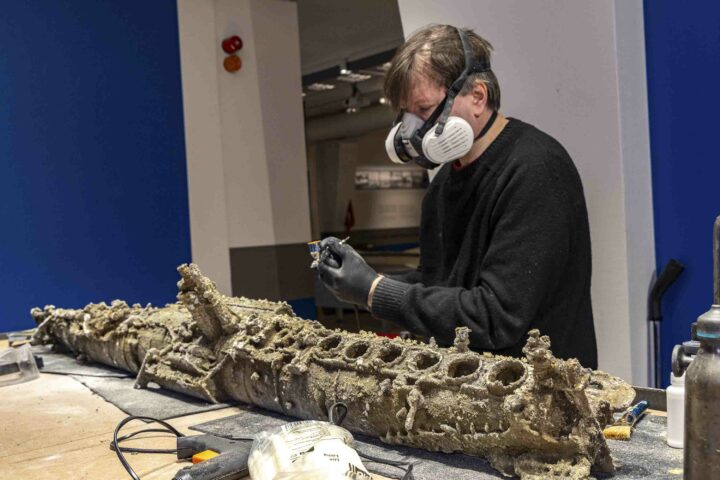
(702, 388)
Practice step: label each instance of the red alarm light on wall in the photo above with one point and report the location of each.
(232, 44)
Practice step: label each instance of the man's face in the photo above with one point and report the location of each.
(425, 95)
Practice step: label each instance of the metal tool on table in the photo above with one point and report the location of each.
(214, 458)
(658, 287)
(702, 387)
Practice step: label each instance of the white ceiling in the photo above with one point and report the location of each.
(334, 31)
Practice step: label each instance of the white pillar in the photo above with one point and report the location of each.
(203, 147)
(577, 71)
(244, 131)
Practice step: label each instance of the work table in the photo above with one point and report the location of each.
(54, 427)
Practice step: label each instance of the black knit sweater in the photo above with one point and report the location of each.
(504, 248)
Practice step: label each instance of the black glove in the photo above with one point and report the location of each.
(345, 272)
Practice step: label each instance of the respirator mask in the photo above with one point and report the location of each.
(441, 138)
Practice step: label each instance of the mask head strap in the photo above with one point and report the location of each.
(472, 66)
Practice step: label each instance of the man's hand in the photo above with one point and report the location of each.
(345, 272)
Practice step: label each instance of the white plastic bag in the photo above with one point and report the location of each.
(17, 365)
(307, 450)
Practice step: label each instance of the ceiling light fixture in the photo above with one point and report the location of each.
(320, 87)
(353, 77)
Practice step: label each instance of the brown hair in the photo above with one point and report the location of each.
(437, 51)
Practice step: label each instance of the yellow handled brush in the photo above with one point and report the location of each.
(622, 428)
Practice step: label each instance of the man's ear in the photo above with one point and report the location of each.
(480, 95)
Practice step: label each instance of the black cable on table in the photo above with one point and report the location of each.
(119, 450)
(143, 450)
(343, 410)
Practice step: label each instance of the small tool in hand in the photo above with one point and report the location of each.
(319, 255)
(314, 248)
(623, 427)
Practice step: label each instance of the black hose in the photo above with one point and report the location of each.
(667, 277)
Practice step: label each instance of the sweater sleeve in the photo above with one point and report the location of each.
(409, 276)
(532, 221)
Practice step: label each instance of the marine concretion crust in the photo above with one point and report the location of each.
(535, 417)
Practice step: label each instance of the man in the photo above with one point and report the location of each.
(504, 236)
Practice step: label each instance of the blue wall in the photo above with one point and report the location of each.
(93, 186)
(683, 65)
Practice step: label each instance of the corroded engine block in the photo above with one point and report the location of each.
(536, 417)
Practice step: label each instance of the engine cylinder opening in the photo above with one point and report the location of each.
(390, 353)
(425, 360)
(463, 367)
(329, 343)
(511, 373)
(356, 350)
(505, 377)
